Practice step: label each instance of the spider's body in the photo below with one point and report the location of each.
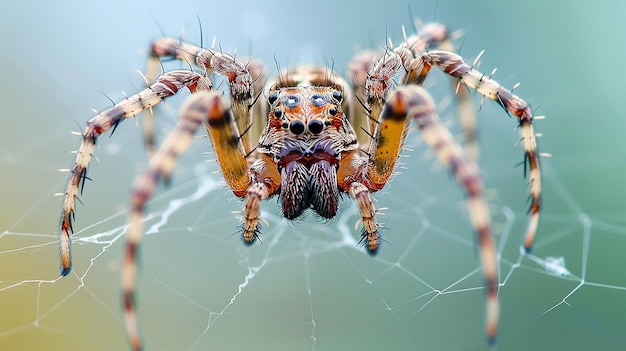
(308, 143)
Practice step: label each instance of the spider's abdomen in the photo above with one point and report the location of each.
(309, 181)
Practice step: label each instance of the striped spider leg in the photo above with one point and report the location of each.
(453, 65)
(428, 36)
(167, 48)
(165, 86)
(418, 59)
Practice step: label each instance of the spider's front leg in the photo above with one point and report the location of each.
(165, 86)
(453, 65)
(428, 36)
(245, 75)
(254, 182)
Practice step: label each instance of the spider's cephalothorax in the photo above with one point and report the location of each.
(310, 144)
(306, 134)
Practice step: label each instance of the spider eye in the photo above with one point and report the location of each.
(318, 100)
(333, 111)
(315, 126)
(278, 113)
(338, 95)
(272, 98)
(296, 127)
(292, 101)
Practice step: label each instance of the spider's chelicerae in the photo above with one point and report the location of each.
(308, 141)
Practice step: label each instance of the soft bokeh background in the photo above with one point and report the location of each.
(305, 289)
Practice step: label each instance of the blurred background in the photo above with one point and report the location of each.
(309, 287)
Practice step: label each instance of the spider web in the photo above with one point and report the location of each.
(309, 286)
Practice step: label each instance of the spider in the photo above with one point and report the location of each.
(308, 143)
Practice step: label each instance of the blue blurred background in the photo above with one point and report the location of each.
(304, 289)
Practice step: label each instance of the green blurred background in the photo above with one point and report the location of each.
(306, 288)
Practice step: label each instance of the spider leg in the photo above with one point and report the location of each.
(165, 49)
(256, 193)
(205, 107)
(412, 102)
(370, 233)
(362, 68)
(166, 85)
(453, 64)
(162, 49)
(244, 77)
(362, 119)
(436, 36)
(429, 36)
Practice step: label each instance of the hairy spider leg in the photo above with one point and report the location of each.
(166, 85)
(453, 64)
(244, 77)
(429, 36)
(200, 107)
(204, 107)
